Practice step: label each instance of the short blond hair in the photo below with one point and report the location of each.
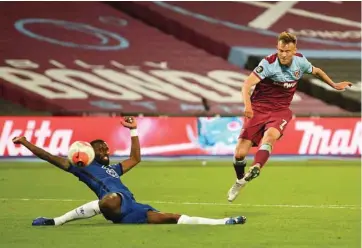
(287, 37)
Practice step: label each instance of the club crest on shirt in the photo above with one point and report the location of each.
(259, 69)
(110, 171)
(297, 74)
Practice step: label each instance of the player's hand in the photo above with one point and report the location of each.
(248, 112)
(129, 122)
(19, 140)
(342, 85)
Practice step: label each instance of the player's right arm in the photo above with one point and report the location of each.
(60, 162)
(258, 74)
(250, 81)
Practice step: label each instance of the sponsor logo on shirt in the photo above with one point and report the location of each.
(259, 69)
(289, 85)
(285, 84)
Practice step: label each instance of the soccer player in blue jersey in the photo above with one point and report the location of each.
(267, 113)
(116, 202)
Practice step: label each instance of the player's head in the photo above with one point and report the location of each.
(287, 47)
(101, 151)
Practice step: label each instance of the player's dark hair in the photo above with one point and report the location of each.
(96, 142)
(287, 37)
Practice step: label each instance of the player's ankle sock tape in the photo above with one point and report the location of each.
(266, 147)
(239, 162)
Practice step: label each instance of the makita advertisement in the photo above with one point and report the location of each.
(179, 136)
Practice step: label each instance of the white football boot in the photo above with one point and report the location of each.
(234, 191)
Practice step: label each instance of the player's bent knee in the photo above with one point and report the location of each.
(269, 139)
(240, 153)
(110, 205)
(242, 148)
(272, 133)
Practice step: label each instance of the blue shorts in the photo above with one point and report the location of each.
(132, 212)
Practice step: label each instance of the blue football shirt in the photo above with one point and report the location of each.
(101, 179)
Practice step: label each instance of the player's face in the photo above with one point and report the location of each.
(101, 153)
(286, 52)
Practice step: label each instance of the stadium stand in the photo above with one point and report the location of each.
(8, 108)
(71, 74)
(101, 60)
(244, 31)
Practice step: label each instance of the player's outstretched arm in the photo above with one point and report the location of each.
(322, 75)
(250, 81)
(60, 162)
(135, 155)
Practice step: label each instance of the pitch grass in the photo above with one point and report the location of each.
(311, 204)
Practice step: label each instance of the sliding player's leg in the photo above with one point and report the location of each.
(167, 218)
(85, 211)
(138, 213)
(131, 212)
(109, 206)
(125, 210)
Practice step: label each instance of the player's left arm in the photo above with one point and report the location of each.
(135, 154)
(307, 67)
(325, 78)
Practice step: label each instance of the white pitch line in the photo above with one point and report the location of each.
(260, 205)
(205, 203)
(272, 15)
(309, 14)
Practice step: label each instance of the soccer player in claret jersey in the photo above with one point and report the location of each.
(267, 113)
(116, 202)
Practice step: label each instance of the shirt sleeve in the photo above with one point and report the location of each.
(74, 170)
(118, 168)
(263, 70)
(79, 173)
(305, 65)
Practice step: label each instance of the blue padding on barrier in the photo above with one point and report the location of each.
(239, 55)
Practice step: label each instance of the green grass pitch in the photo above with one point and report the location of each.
(309, 204)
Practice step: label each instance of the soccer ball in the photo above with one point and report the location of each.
(81, 153)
